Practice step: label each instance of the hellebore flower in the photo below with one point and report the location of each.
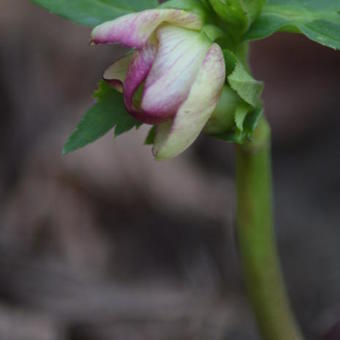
(174, 77)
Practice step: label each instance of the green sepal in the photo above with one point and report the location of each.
(241, 115)
(247, 109)
(243, 133)
(250, 90)
(238, 14)
(319, 20)
(107, 113)
(223, 117)
(239, 79)
(212, 32)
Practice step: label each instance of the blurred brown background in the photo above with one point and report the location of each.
(107, 244)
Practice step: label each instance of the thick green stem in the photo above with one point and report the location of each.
(256, 237)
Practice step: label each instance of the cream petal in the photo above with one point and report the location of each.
(172, 139)
(134, 30)
(179, 57)
(116, 73)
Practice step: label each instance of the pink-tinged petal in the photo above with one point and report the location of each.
(115, 75)
(138, 70)
(134, 30)
(179, 57)
(173, 138)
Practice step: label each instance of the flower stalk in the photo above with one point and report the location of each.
(259, 255)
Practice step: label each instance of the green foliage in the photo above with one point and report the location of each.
(186, 5)
(241, 81)
(150, 138)
(139, 5)
(94, 12)
(241, 115)
(108, 112)
(238, 14)
(319, 20)
(249, 110)
(244, 130)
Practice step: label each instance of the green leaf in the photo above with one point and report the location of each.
(243, 133)
(241, 81)
(240, 116)
(251, 121)
(140, 5)
(186, 5)
(319, 20)
(183, 4)
(108, 112)
(249, 109)
(150, 138)
(94, 12)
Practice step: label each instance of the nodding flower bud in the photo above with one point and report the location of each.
(174, 77)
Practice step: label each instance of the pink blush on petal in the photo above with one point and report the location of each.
(137, 73)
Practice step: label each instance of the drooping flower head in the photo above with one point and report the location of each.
(174, 77)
